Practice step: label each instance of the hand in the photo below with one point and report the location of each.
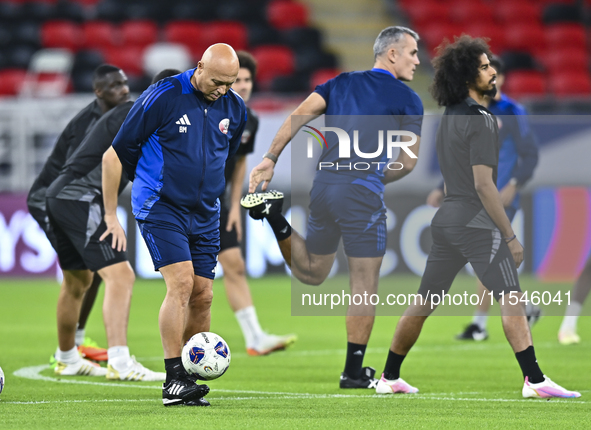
(508, 194)
(234, 221)
(516, 251)
(261, 173)
(113, 227)
(435, 198)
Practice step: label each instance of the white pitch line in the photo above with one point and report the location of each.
(33, 372)
(296, 396)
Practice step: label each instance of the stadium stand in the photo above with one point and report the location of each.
(121, 31)
(544, 43)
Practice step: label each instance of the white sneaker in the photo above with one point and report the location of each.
(81, 367)
(270, 343)
(546, 390)
(399, 385)
(568, 337)
(134, 372)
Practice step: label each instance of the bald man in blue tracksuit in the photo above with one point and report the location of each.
(174, 145)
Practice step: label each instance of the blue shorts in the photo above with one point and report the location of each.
(170, 243)
(348, 210)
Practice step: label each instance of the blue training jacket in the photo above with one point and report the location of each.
(518, 156)
(174, 145)
(364, 103)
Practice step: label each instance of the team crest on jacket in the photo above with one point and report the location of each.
(224, 125)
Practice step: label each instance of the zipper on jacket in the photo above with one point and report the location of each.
(203, 154)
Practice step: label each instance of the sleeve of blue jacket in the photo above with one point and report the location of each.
(526, 146)
(144, 118)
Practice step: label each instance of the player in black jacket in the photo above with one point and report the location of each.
(75, 210)
(110, 88)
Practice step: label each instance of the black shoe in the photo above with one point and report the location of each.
(198, 402)
(262, 205)
(182, 390)
(473, 332)
(366, 380)
(534, 313)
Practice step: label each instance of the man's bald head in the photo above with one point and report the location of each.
(217, 71)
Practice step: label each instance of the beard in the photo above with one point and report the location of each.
(491, 93)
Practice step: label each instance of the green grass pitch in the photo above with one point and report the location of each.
(462, 385)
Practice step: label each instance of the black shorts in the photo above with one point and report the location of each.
(228, 239)
(40, 215)
(485, 250)
(77, 227)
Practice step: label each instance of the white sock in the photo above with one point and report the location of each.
(249, 323)
(119, 357)
(480, 319)
(68, 357)
(571, 315)
(80, 333)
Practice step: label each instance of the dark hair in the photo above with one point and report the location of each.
(456, 67)
(247, 61)
(498, 64)
(165, 74)
(100, 72)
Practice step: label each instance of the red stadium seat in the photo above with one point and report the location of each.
(512, 12)
(526, 37)
(231, 32)
(423, 14)
(321, 76)
(128, 58)
(100, 34)
(11, 81)
(570, 84)
(273, 61)
(187, 33)
(183, 32)
(568, 58)
(491, 31)
(524, 83)
(88, 2)
(61, 34)
(466, 12)
(566, 34)
(434, 34)
(286, 14)
(139, 33)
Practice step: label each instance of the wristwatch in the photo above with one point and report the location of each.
(513, 181)
(270, 156)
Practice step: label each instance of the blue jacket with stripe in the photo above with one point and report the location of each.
(174, 145)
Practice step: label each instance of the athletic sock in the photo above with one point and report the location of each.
(529, 365)
(119, 357)
(249, 323)
(355, 354)
(571, 315)
(280, 226)
(67, 357)
(80, 333)
(393, 363)
(174, 368)
(480, 319)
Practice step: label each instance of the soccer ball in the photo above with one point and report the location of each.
(1, 380)
(206, 355)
